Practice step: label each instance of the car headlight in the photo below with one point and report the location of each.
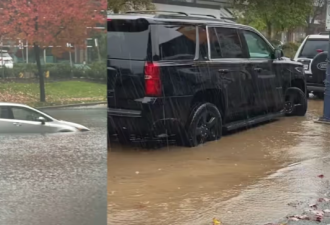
(82, 129)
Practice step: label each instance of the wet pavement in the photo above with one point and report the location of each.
(251, 177)
(56, 178)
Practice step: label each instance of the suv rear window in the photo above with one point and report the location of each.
(175, 42)
(311, 46)
(128, 39)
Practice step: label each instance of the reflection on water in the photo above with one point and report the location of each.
(234, 179)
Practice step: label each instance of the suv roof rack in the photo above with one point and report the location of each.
(195, 14)
(175, 14)
(151, 11)
(324, 33)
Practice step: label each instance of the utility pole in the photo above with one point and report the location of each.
(326, 108)
(97, 48)
(1, 56)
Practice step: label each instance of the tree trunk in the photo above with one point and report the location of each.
(309, 30)
(40, 73)
(289, 37)
(269, 31)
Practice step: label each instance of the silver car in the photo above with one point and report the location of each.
(18, 118)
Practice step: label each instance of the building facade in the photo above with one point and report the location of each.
(217, 8)
(23, 52)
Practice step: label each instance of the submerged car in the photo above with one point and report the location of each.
(19, 118)
(190, 77)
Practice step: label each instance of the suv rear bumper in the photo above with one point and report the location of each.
(126, 121)
(163, 117)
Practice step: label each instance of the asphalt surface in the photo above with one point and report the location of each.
(252, 177)
(56, 179)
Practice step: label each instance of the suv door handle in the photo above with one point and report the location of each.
(223, 71)
(257, 69)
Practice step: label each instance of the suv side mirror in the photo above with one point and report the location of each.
(278, 54)
(42, 120)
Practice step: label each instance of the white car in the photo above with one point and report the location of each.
(18, 118)
(6, 60)
(309, 48)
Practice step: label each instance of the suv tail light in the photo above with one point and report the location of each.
(153, 85)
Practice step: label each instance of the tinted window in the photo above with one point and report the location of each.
(229, 42)
(20, 113)
(257, 46)
(128, 39)
(6, 113)
(202, 43)
(175, 42)
(214, 44)
(312, 45)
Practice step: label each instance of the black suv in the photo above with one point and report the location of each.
(191, 77)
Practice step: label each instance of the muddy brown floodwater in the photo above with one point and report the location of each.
(231, 179)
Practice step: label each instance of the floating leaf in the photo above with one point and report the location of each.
(216, 222)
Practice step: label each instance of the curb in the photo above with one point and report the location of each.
(322, 122)
(72, 105)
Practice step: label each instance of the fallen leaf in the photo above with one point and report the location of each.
(324, 200)
(326, 210)
(321, 176)
(294, 219)
(314, 206)
(216, 222)
(317, 213)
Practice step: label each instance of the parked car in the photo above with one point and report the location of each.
(314, 46)
(18, 118)
(6, 60)
(191, 77)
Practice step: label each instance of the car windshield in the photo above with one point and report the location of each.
(48, 115)
(313, 46)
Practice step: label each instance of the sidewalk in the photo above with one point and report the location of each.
(317, 212)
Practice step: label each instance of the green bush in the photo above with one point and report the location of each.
(291, 45)
(95, 70)
(290, 49)
(98, 70)
(60, 70)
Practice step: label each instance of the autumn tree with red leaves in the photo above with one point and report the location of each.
(50, 23)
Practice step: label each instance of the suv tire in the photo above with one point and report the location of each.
(295, 102)
(204, 124)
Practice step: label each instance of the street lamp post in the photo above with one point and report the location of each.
(326, 108)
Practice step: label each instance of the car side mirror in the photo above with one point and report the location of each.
(42, 120)
(278, 53)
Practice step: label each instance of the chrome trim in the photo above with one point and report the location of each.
(124, 113)
(197, 43)
(208, 43)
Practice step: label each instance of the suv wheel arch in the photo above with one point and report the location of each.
(214, 96)
(299, 83)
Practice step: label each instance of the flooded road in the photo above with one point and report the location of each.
(247, 178)
(57, 178)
